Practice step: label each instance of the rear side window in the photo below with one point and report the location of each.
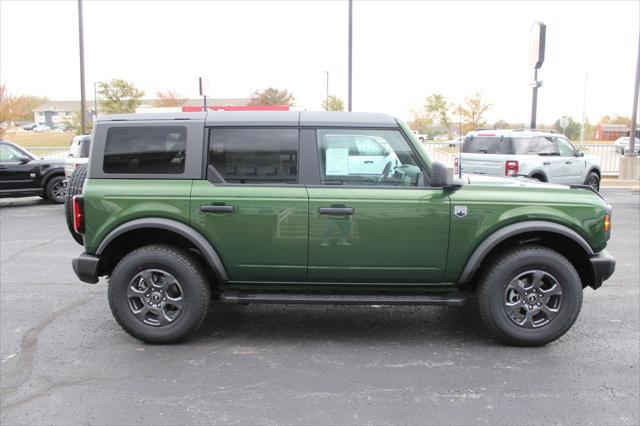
(145, 150)
(487, 145)
(534, 146)
(255, 156)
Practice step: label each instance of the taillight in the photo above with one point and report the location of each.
(511, 168)
(78, 214)
(456, 164)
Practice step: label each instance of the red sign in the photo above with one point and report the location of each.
(236, 108)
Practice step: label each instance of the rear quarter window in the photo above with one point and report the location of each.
(145, 150)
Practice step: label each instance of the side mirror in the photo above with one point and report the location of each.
(579, 154)
(25, 160)
(441, 175)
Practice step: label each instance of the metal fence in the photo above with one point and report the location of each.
(445, 152)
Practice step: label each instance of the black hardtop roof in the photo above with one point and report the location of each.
(266, 118)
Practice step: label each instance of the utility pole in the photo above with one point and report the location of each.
(83, 106)
(584, 107)
(350, 50)
(634, 111)
(538, 39)
(327, 98)
(95, 98)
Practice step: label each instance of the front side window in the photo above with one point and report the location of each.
(366, 157)
(255, 156)
(145, 150)
(9, 154)
(565, 147)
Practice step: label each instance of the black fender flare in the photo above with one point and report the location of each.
(50, 173)
(197, 239)
(481, 252)
(539, 172)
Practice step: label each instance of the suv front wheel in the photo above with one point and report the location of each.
(159, 294)
(530, 296)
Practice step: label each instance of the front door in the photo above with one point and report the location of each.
(573, 166)
(375, 227)
(251, 207)
(16, 172)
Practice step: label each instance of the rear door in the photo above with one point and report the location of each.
(544, 156)
(374, 228)
(251, 207)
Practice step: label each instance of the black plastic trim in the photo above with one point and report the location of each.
(336, 210)
(603, 265)
(502, 234)
(86, 267)
(201, 243)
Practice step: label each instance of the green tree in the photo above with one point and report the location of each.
(573, 128)
(333, 103)
(169, 98)
(76, 125)
(420, 121)
(437, 109)
(472, 112)
(119, 96)
(272, 96)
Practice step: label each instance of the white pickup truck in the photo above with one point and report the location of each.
(78, 154)
(544, 156)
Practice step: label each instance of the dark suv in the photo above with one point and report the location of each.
(24, 175)
(334, 208)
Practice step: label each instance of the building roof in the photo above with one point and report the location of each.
(75, 105)
(268, 118)
(614, 127)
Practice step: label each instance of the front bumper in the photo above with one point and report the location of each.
(86, 267)
(602, 265)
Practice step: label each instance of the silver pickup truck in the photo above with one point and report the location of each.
(540, 155)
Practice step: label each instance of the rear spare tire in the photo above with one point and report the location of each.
(74, 187)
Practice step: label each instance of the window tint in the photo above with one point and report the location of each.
(487, 145)
(534, 146)
(255, 155)
(366, 157)
(145, 150)
(565, 147)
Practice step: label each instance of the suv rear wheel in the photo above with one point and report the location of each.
(530, 296)
(159, 294)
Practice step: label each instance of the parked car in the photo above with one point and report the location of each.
(29, 126)
(543, 156)
(41, 128)
(622, 145)
(22, 174)
(265, 207)
(421, 137)
(60, 128)
(78, 154)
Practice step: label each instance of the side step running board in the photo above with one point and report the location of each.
(244, 297)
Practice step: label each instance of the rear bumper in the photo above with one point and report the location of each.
(86, 267)
(603, 265)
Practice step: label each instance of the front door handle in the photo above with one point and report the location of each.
(368, 162)
(567, 162)
(546, 163)
(336, 210)
(3, 166)
(217, 209)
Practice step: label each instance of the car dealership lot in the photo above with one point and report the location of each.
(65, 360)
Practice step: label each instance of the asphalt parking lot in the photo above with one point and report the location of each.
(64, 360)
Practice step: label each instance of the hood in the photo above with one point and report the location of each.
(486, 180)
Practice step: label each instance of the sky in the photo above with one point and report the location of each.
(402, 51)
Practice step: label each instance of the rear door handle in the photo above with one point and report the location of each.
(567, 162)
(336, 210)
(368, 162)
(546, 163)
(217, 209)
(4, 167)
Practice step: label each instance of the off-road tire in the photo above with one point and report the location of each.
(593, 180)
(508, 265)
(74, 187)
(186, 270)
(53, 185)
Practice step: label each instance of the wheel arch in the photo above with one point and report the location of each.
(596, 170)
(558, 237)
(539, 172)
(134, 234)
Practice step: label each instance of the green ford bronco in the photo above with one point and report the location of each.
(322, 208)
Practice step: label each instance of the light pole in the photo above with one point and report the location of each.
(584, 107)
(634, 110)
(327, 98)
(350, 49)
(83, 106)
(95, 98)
